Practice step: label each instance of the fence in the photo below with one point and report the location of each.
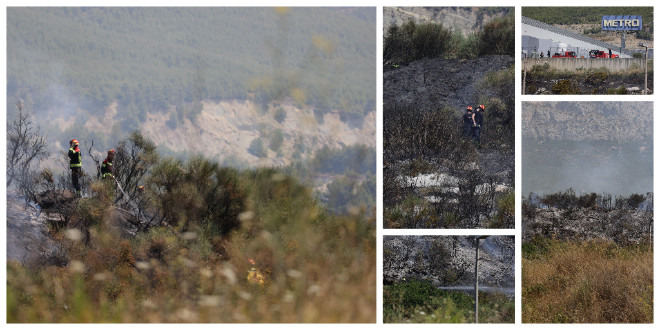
(572, 64)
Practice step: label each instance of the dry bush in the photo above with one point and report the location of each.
(588, 282)
(311, 263)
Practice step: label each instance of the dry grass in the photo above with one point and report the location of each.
(315, 267)
(587, 282)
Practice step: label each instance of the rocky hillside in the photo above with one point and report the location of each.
(609, 37)
(223, 131)
(579, 121)
(449, 260)
(465, 19)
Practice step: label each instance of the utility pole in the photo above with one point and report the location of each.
(646, 60)
(476, 279)
(524, 77)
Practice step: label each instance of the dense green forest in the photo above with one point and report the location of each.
(149, 59)
(585, 15)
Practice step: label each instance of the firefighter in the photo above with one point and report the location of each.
(477, 122)
(467, 122)
(75, 164)
(548, 53)
(610, 51)
(107, 171)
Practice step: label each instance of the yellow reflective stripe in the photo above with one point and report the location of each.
(79, 158)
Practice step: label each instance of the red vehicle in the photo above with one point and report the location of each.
(600, 54)
(565, 54)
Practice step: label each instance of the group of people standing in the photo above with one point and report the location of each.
(75, 164)
(472, 124)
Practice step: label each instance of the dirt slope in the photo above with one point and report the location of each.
(439, 82)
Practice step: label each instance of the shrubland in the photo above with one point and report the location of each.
(420, 139)
(542, 79)
(414, 41)
(586, 282)
(420, 302)
(587, 258)
(213, 244)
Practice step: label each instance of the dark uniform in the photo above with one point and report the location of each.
(107, 171)
(75, 164)
(467, 123)
(476, 129)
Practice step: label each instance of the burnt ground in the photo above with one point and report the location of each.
(449, 260)
(623, 226)
(594, 83)
(28, 236)
(439, 82)
(453, 193)
(32, 227)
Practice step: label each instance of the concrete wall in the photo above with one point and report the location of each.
(572, 64)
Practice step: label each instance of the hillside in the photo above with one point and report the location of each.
(434, 176)
(147, 58)
(435, 83)
(224, 130)
(246, 87)
(587, 21)
(601, 147)
(579, 121)
(467, 20)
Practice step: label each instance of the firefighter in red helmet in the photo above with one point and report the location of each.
(107, 171)
(75, 164)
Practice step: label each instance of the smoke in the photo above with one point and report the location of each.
(599, 147)
(587, 166)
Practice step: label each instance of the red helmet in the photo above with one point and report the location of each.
(469, 108)
(481, 106)
(111, 152)
(74, 142)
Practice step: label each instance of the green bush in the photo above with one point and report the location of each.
(280, 115)
(413, 293)
(257, 148)
(412, 41)
(498, 37)
(276, 140)
(565, 86)
(419, 302)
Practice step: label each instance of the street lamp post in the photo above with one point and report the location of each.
(476, 280)
(646, 59)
